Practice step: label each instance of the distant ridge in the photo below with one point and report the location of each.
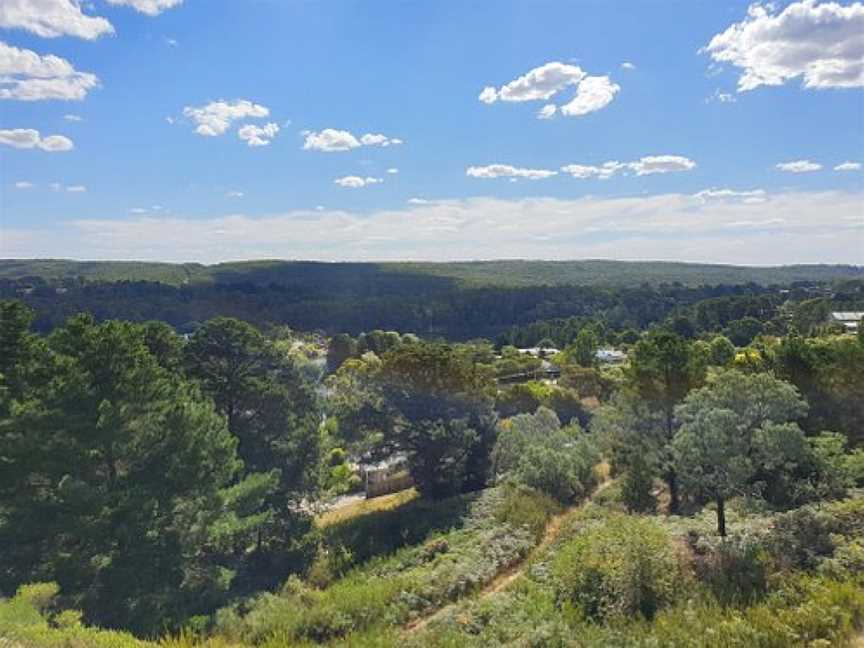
(512, 273)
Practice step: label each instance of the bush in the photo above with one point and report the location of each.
(734, 568)
(534, 450)
(524, 507)
(624, 567)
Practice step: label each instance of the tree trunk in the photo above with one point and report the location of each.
(721, 517)
(674, 499)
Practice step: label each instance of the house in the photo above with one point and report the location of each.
(849, 320)
(540, 352)
(610, 356)
(387, 476)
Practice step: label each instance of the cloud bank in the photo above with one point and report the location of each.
(719, 226)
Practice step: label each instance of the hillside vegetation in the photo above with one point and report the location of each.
(509, 273)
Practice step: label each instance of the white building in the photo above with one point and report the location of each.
(848, 319)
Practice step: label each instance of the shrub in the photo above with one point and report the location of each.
(734, 568)
(524, 507)
(624, 567)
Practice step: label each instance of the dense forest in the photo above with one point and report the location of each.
(454, 301)
(175, 459)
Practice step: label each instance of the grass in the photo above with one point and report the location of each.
(365, 507)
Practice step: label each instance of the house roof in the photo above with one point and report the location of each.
(848, 316)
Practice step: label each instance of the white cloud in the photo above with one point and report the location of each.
(647, 165)
(215, 118)
(417, 201)
(149, 7)
(52, 18)
(751, 197)
(373, 139)
(799, 166)
(680, 227)
(627, 65)
(331, 140)
(28, 138)
(547, 112)
(722, 97)
(488, 95)
(508, 171)
(234, 194)
(544, 82)
(24, 184)
(662, 164)
(76, 189)
(541, 83)
(392, 170)
(820, 42)
(258, 135)
(848, 166)
(28, 76)
(138, 210)
(603, 172)
(355, 182)
(593, 93)
(73, 118)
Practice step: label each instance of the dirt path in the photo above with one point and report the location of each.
(506, 577)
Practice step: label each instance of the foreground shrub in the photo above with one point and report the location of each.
(734, 568)
(624, 567)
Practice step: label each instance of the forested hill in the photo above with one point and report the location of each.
(504, 273)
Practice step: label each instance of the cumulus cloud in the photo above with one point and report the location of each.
(216, 117)
(627, 65)
(392, 170)
(541, 83)
(644, 166)
(258, 135)
(29, 138)
(681, 227)
(356, 182)
(332, 140)
(28, 76)
(73, 118)
(76, 189)
(52, 18)
(24, 184)
(848, 166)
(820, 42)
(799, 166)
(592, 93)
(149, 7)
(544, 82)
(508, 171)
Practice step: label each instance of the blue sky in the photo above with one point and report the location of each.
(693, 139)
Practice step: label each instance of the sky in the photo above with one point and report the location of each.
(215, 130)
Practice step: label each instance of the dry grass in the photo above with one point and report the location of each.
(364, 507)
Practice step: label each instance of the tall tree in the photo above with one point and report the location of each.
(443, 417)
(117, 475)
(663, 369)
(274, 414)
(737, 427)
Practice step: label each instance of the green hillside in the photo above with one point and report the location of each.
(510, 273)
